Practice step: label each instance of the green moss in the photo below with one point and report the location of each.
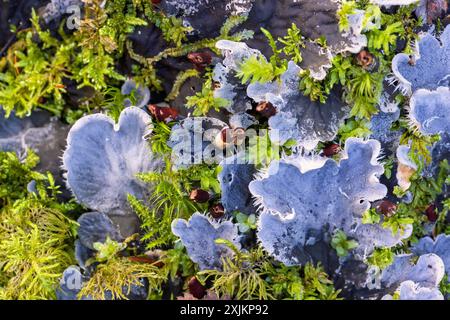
(16, 174)
(204, 101)
(292, 44)
(36, 236)
(341, 244)
(147, 73)
(32, 263)
(419, 145)
(371, 216)
(178, 263)
(354, 128)
(256, 69)
(170, 199)
(347, 8)
(172, 27)
(160, 135)
(36, 244)
(39, 65)
(311, 87)
(381, 258)
(33, 73)
(117, 275)
(254, 275)
(385, 39)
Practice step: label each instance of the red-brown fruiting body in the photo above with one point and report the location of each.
(238, 136)
(431, 214)
(165, 114)
(199, 196)
(365, 58)
(144, 259)
(331, 150)
(435, 9)
(196, 288)
(266, 109)
(386, 208)
(217, 211)
(156, 1)
(216, 85)
(200, 59)
(231, 136)
(141, 259)
(226, 135)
